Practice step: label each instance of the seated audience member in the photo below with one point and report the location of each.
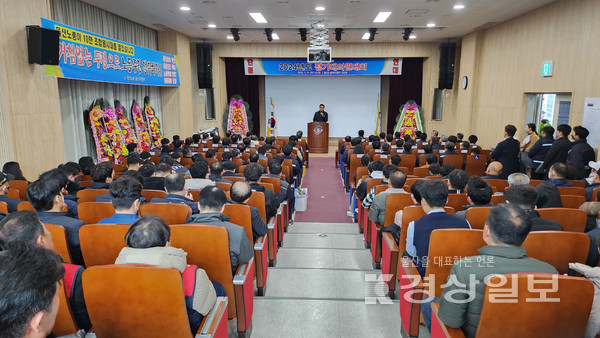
(102, 175)
(86, 163)
(387, 170)
(434, 195)
(287, 154)
(158, 179)
(449, 150)
(262, 150)
(593, 274)
(394, 160)
(592, 209)
(435, 169)
(594, 182)
(13, 171)
(12, 203)
(406, 147)
(125, 194)
(548, 196)
(452, 139)
(435, 143)
(210, 153)
(479, 194)
(505, 230)
(229, 168)
(375, 171)
(473, 140)
(493, 171)
(353, 143)
(457, 181)
(70, 200)
(240, 194)
(287, 190)
(216, 170)
(132, 149)
(446, 170)
(515, 179)
(557, 175)
(29, 285)
(71, 170)
(429, 160)
(177, 146)
(199, 180)
(46, 197)
(525, 197)
(177, 167)
(25, 226)
(147, 171)
(211, 203)
(253, 158)
(252, 173)
(465, 146)
(148, 242)
(397, 178)
(174, 186)
(416, 197)
(145, 155)
(165, 151)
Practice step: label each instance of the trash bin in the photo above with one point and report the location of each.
(301, 195)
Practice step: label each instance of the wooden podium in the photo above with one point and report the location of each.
(318, 137)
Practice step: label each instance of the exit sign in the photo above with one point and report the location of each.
(547, 67)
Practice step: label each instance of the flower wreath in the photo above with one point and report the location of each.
(409, 120)
(140, 127)
(237, 117)
(153, 123)
(104, 150)
(128, 133)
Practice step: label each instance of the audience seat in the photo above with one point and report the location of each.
(25, 205)
(578, 183)
(59, 238)
(89, 195)
(421, 172)
(172, 213)
(21, 186)
(475, 166)
(455, 160)
(565, 318)
(497, 199)
(572, 201)
(149, 194)
(595, 195)
(558, 248)
(129, 300)
(234, 179)
(410, 181)
(14, 193)
(456, 201)
(477, 216)
(570, 219)
(93, 212)
(367, 229)
(65, 322)
(393, 203)
(385, 158)
(408, 161)
(499, 184)
(257, 200)
(572, 191)
(208, 247)
(101, 243)
(225, 186)
(84, 184)
(4, 207)
(535, 183)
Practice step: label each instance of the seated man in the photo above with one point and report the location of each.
(589, 190)
(353, 143)
(46, 197)
(211, 203)
(125, 194)
(240, 194)
(252, 173)
(479, 194)
(148, 242)
(429, 160)
(287, 190)
(216, 169)
(434, 195)
(557, 175)
(199, 180)
(102, 174)
(174, 186)
(253, 158)
(375, 171)
(25, 226)
(387, 170)
(29, 287)
(177, 167)
(416, 197)
(287, 154)
(450, 146)
(493, 171)
(435, 170)
(132, 149)
(517, 179)
(397, 178)
(12, 203)
(525, 197)
(229, 168)
(70, 200)
(134, 162)
(262, 150)
(152, 180)
(505, 230)
(457, 181)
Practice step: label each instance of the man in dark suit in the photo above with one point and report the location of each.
(507, 152)
(321, 115)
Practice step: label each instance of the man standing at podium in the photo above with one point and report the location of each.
(321, 115)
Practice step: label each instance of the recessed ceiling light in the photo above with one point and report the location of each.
(258, 17)
(431, 24)
(459, 6)
(212, 25)
(366, 36)
(320, 25)
(229, 37)
(275, 36)
(382, 16)
(184, 8)
(319, 8)
(412, 36)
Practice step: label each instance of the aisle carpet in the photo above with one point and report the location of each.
(327, 201)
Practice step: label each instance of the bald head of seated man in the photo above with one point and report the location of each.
(493, 170)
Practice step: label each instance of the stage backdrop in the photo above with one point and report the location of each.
(351, 102)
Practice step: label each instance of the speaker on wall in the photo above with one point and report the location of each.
(42, 45)
(204, 62)
(447, 53)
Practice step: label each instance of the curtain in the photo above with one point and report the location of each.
(238, 83)
(408, 86)
(76, 95)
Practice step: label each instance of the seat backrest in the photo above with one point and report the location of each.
(360, 172)
(421, 172)
(497, 199)
(535, 183)
(172, 213)
(234, 179)
(447, 246)
(119, 298)
(257, 200)
(595, 195)
(93, 212)
(455, 160)
(287, 172)
(59, 238)
(476, 216)
(373, 182)
(567, 247)
(4, 207)
(264, 162)
(409, 214)
(570, 219)
(475, 166)
(208, 247)
(225, 186)
(89, 195)
(577, 183)
(381, 188)
(410, 181)
(149, 194)
(561, 312)
(65, 322)
(408, 161)
(385, 158)
(274, 181)
(21, 186)
(238, 162)
(354, 164)
(572, 191)
(14, 193)
(266, 185)
(395, 203)
(457, 201)
(25, 205)
(101, 243)
(572, 201)
(241, 215)
(499, 184)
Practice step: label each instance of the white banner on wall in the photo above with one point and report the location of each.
(591, 120)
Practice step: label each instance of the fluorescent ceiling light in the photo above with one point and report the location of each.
(366, 36)
(319, 8)
(412, 36)
(459, 6)
(258, 17)
(431, 24)
(275, 36)
(212, 25)
(229, 37)
(382, 16)
(184, 8)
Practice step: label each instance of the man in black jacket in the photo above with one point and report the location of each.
(581, 153)
(559, 150)
(321, 115)
(525, 196)
(240, 194)
(252, 173)
(507, 152)
(538, 152)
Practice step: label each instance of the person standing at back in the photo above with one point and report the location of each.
(538, 152)
(507, 152)
(559, 150)
(582, 153)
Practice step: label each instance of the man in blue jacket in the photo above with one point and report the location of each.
(538, 152)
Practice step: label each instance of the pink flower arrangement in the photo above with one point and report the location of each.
(104, 150)
(114, 134)
(153, 123)
(237, 122)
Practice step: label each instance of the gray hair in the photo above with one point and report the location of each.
(518, 179)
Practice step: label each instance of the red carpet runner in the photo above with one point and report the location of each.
(327, 201)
